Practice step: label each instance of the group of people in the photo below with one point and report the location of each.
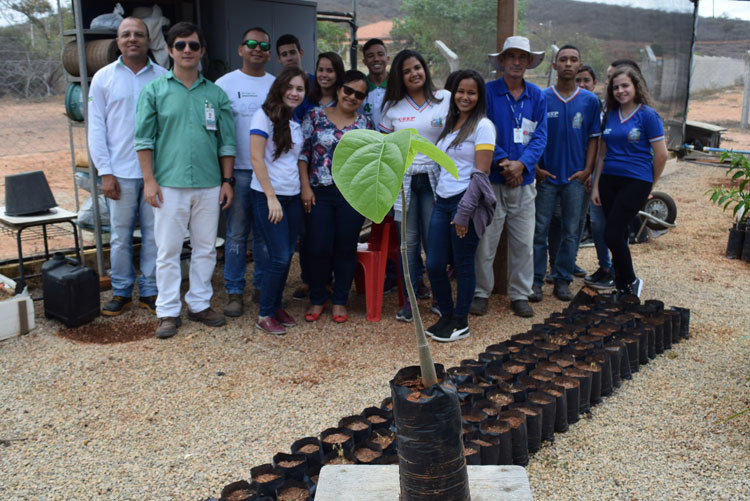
(174, 150)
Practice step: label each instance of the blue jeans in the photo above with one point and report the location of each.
(570, 197)
(553, 237)
(124, 213)
(239, 225)
(418, 214)
(442, 241)
(332, 242)
(280, 239)
(598, 223)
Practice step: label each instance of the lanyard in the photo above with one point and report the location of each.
(517, 119)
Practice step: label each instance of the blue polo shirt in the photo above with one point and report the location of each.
(628, 141)
(528, 112)
(571, 123)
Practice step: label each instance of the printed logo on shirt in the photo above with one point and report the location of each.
(634, 135)
(553, 114)
(607, 131)
(406, 119)
(368, 109)
(437, 122)
(241, 94)
(578, 120)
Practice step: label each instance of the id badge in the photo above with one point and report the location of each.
(518, 135)
(210, 117)
(527, 130)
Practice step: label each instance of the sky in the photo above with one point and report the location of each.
(706, 8)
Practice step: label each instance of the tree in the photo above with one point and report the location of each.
(332, 37)
(467, 27)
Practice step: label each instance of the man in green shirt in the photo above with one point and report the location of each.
(186, 146)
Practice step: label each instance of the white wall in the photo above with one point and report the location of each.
(716, 72)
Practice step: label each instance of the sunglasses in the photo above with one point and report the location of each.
(251, 44)
(194, 46)
(358, 94)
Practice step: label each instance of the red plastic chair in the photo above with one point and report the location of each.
(370, 275)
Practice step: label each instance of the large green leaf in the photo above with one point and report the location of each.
(368, 167)
(422, 145)
(369, 170)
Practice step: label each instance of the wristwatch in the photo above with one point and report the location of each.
(229, 180)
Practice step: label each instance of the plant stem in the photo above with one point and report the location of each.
(429, 377)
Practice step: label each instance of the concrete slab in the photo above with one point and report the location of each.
(381, 483)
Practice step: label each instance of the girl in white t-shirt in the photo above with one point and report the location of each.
(464, 205)
(275, 144)
(411, 102)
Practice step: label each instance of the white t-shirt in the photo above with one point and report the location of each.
(428, 120)
(247, 95)
(372, 103)
(283, 172)
(483, 138)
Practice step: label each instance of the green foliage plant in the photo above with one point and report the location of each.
(737, 195)
(368, 168)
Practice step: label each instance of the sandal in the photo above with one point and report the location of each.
(340, 319)
(312, 317)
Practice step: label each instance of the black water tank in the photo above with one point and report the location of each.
(71, 291)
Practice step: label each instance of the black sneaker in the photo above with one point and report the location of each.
(478, 306)
(423, 292)
(439, 328)
(522, 308)
(457, 329)
(301, 292)
(536, 294)
(389, 285)
(435, 308)
(148, 303)
(633, 289)
(404, 314)
(600, 279)
(116, 306)
(562, 291)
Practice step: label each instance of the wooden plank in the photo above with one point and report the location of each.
(381, 483)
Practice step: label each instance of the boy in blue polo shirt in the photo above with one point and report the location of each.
(573, 127)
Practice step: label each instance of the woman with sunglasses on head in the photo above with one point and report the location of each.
(275, 144)
(411, 102)
(333, 224)
(626, 171)
(464, 206)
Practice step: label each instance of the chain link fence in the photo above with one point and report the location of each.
(34, 129)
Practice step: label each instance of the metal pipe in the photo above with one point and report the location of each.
(709, 149)
(83, 70)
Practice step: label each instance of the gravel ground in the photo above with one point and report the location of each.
(156, 419)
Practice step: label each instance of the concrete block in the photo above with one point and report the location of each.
(381, 483)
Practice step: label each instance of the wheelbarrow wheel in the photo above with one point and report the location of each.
(661, 206)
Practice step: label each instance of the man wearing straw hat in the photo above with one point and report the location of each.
(519, 111)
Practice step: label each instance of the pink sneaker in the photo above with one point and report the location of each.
(284, 318)
(270, 325)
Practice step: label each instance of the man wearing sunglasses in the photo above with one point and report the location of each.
(113, 97)
(247, 89)
(186, 146)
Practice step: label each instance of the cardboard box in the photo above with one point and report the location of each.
(17, 311)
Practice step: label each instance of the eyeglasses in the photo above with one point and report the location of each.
(194, 46)
(251, 44)
(358, 94)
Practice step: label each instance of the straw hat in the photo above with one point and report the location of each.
(520, 43)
